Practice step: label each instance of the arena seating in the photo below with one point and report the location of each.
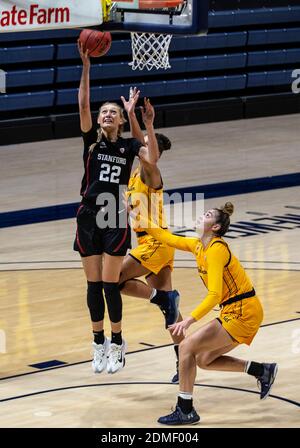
(247, 53)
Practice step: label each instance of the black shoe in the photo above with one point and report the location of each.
(266, 381)
(170, 311)
(175, 378)
(179, 418)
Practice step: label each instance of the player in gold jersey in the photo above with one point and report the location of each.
(150, 258)
(240, 318)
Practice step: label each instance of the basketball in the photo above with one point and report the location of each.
(96, 42)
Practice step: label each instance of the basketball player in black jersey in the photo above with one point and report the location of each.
(103, 235)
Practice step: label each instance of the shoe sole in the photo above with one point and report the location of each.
(179, 424)
(112, 373)
(97, 370)
(271, 385)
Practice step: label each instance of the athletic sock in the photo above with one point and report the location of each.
(116, 338)
(99, 337)
(185, 402)
(254, 368)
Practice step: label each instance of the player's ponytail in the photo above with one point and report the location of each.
(223, 218)
(91, 148)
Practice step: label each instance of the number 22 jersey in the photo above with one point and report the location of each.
(107, 166)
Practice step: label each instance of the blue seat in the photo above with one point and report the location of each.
(157, 88)
(259, 16)
(26, 54)
(178, 43)
(278, 36)
(178, 65)
(70, 51)
(216, 62)
(30, 77)
(214, 40)
(270, 78)
(273, 57)
(25, 101)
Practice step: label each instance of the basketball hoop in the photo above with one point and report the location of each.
(152, 23)
(150, 51)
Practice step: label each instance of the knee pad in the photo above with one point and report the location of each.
(95, 300)
(113, 301)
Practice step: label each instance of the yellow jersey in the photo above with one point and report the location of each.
(220, 270)
(147, 202)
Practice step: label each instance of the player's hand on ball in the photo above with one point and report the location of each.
(83, 54)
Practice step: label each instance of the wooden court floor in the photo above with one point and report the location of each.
(43, 314)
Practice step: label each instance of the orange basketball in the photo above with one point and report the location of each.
(96, 42)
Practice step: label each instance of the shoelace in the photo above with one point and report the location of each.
(99, 353)
(115, 352)
(175, 414)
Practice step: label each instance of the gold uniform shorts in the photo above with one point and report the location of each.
(152, 254)
(242, 319)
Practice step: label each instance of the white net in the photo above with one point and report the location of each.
(150, 51)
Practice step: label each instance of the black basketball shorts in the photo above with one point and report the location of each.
(91, 240)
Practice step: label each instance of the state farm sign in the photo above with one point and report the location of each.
(29, 15)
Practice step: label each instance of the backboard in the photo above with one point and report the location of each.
(158, 16)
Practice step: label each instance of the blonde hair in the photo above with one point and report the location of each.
(223, 219)
(228, 208)
(121, 126)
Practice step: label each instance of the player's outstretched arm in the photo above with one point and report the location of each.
(129, 106)
(150, 154)
(84, 91)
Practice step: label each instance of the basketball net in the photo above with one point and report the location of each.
(150, 51)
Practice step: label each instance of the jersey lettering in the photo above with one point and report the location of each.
(110, 173)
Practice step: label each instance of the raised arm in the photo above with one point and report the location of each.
(84, 92)
(149, 155)
(129, 106)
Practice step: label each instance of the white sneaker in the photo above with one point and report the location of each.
(100, 356)
(116, 357)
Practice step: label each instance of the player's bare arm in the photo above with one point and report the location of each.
(150, 173)
(84, 91)
(148, 156)
(130, 106)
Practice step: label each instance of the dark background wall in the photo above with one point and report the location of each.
(243, 68)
